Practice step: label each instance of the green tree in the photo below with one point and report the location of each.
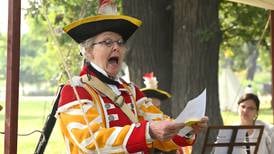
(151, 47)
(179, 41)
(30, 49)
(187, 57)
(37, 65)
(243, 28)
(196, 42)
(46, 20)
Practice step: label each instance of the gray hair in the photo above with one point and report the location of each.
(87, 44)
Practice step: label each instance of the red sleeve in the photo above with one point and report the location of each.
(137, 139)
(182, 141)
(68, 95)
(139, 93)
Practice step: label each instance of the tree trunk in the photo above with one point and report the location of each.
(195, 58)
(150, 50)
(251, 62)
(196, 39)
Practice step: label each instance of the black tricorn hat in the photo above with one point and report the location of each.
(151, 90)
(88, 27)
(156, 93)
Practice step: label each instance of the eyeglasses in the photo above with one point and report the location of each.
(110, 43)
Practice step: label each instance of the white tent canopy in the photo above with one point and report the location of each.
(266, 4)
(230, 90)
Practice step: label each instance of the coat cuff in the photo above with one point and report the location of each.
(137, 139)
(183, 141)
(149, 139)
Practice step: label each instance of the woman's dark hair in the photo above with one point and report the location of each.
(250, 96)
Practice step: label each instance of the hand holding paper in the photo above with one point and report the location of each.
(164, 130)
(193, 113)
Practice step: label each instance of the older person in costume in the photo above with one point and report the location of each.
(100, 113)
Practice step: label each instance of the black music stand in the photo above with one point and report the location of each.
(231, 138)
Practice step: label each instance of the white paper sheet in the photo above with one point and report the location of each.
(193, 112)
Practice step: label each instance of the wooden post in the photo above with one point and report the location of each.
(12, 81)
(272, 60)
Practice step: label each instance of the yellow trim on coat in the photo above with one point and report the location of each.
(96, 98)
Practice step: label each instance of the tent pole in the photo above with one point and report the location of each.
(12, 80)
(272, 60)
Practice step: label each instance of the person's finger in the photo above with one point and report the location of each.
(204, 119)
(162, 130)
(179, 125)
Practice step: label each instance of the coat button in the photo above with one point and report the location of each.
(107, 106)
(110, 117)
(132, 106)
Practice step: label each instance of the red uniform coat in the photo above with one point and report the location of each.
(93, 116)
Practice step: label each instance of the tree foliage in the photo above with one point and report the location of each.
(46, 19)
(242, 26)
(30, 47)
(189, 48)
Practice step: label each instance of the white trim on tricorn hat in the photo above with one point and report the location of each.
(151, 90)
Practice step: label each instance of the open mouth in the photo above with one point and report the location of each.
(113, 60)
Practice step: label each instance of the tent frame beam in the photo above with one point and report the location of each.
(12, 80)
(272, 60)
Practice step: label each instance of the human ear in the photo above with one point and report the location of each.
(90, 54)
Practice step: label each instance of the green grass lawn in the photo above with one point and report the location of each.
(265, 114)
(33, 113)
